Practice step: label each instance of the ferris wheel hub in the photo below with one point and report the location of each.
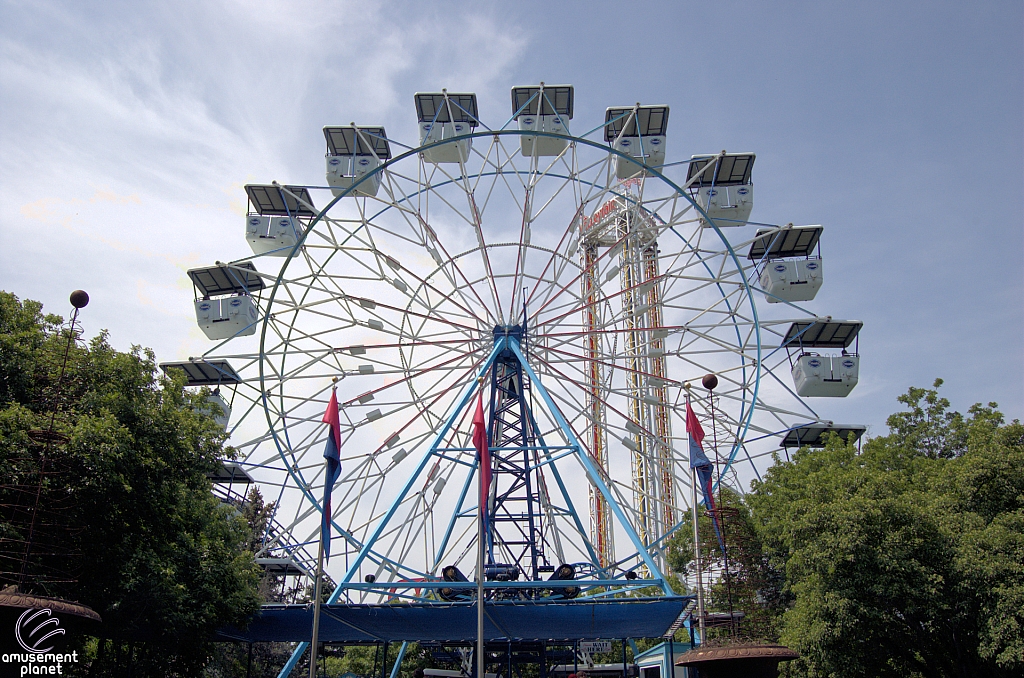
(502, 331)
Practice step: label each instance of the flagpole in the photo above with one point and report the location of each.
(330, 454)
(696, 538)
(317, 597)
(696, 558)
(480, 595)
(481, 506)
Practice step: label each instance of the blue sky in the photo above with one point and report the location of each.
(128, 129)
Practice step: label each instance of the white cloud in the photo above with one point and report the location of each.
(178, 106)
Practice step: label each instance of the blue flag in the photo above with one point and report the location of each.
(705, 469)
(333, 456)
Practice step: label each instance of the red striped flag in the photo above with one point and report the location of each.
(332, 454)
(483, 453)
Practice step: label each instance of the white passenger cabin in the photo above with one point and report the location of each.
(219, 408)
(212, 373)
(787, 264)
(352, 153)
(639, 132)
(444, 116)
(274, 220)
(816, 373)
(224, 305)
(721, 185)
(546, 108)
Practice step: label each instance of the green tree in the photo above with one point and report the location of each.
(154, 552)
(906, 559)
(753, 586)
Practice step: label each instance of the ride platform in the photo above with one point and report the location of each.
(456, 622)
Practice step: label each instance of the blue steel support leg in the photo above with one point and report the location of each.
(565, 496)
(455, 514)
(595, 477)
(398, 660)
(386, 518)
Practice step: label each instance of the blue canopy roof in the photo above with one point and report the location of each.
(456, 622)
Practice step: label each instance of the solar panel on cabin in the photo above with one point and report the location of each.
(281, 567)
(237, 279)
(229, 472)
(815, 435)
(698, 163)
(823, 334)
(281, 200)
(732, 170)
(462, 108)
(772, 243)
(557, 99)
(204, 372)
(652, 121)
(368, 141)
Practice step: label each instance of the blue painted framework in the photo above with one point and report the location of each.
(592, 473)
(503, 343)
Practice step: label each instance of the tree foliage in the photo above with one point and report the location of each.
(154, 552)
(753, 585)
(905, 559)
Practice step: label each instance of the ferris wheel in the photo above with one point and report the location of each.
(565, 272)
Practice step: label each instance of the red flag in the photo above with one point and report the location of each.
(700, 463)
(695, 430)
(483, 453)
(332, 454)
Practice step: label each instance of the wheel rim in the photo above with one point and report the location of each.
(437, 320)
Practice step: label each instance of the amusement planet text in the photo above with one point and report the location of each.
(40, 664)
